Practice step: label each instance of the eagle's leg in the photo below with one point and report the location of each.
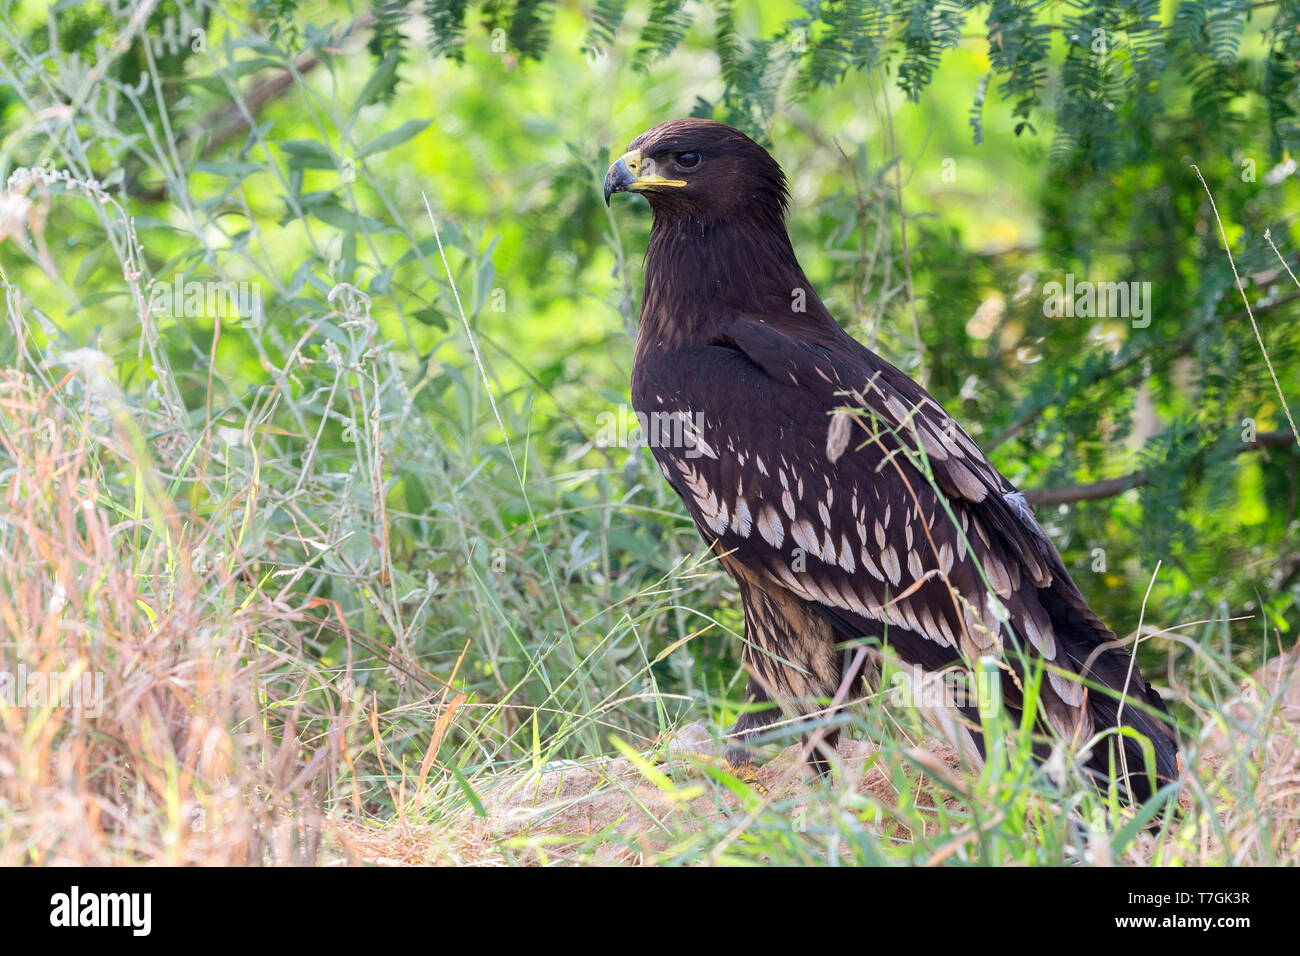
(790, 653)
(859, 667)
(740, 758)
(817, 762)
(751, 723)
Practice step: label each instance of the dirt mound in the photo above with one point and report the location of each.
(629, 808)
(591, 798)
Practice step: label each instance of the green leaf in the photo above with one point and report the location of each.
(347, 220)
(470, 795)
(309, 154)
(239, 170)
(394, 137)
(380, 80)
(95, 299)
(431, 316)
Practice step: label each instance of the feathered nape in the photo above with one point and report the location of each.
(705, 269)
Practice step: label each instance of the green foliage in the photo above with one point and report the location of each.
(446, 20)
(388, 43)
(1116, 55)
(606, 17)
(849, 36)
(667, 23)
(529, 31)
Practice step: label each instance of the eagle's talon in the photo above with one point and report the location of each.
(746, 773)
(742, 770)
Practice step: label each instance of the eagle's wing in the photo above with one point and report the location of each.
(790, 450)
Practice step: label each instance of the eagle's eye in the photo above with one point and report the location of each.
(687, 160)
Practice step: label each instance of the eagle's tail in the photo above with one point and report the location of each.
(1117, 697)
(1141, 709)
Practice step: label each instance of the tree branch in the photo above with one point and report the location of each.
(1109, 487)
(231, 120)
(228, 122)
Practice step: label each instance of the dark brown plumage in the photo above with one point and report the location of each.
(826, 519)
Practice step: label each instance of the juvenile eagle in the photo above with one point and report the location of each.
(850, 508)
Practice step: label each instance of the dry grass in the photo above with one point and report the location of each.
(177, 751)
(611, 811)
(193, 744)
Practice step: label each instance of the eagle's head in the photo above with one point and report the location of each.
(698, 170)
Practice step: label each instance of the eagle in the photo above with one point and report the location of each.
(853, 512)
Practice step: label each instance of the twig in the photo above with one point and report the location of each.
(1109, 487)
(231, 120)
(1268, 236)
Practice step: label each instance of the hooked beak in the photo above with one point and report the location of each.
(633, 174)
